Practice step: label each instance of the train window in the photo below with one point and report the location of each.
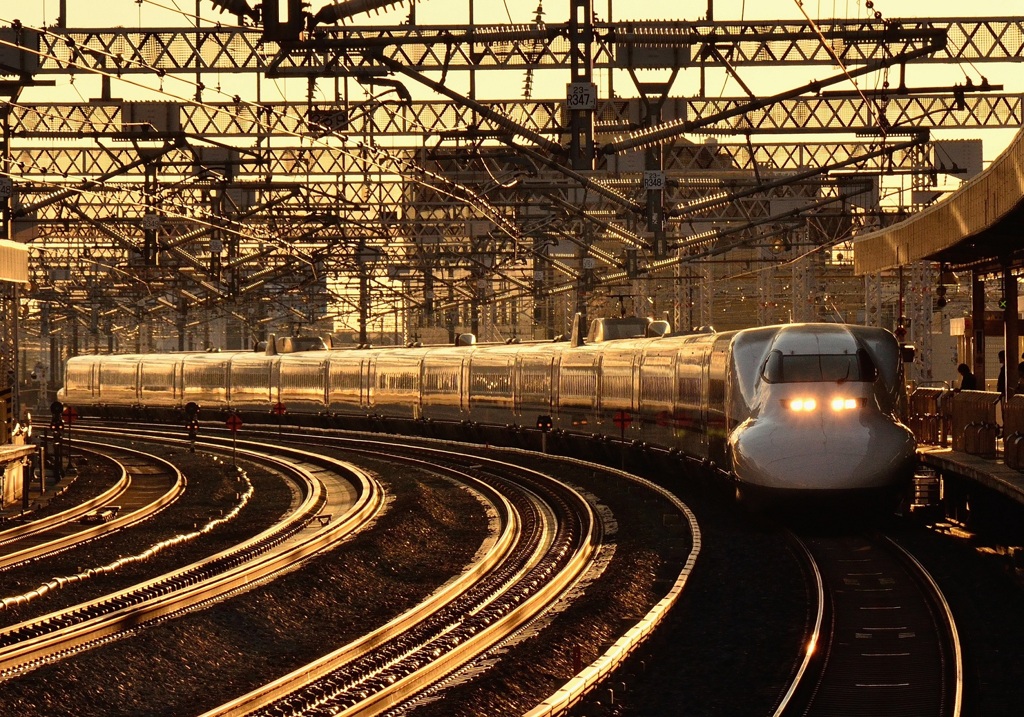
(794, 368)
(300, 376)
(441, 379)
(157, 378)
(345, 376)
(534, 380)
(78, 377)
(486, 381)
(119, 375)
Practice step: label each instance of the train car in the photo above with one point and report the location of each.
(784, 411)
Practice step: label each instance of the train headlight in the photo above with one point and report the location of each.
(802, 404)
(844, 404)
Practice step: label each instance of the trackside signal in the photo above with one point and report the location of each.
(544, 424)
(192, 424)
(56, 415)
(233, 423)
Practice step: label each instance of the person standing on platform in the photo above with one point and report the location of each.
(967, 381)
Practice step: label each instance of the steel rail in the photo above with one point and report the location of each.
(591, 676)
(487, 564)
(949, 623)
(586, 680)
(33, 527)
(814, 638)
(60, 634)
(492, 626)
(124, 519)
(528, 610)
(491, 555)
(893, 639)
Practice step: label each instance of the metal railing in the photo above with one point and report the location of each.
(974, 425)
(970, 419)
(1013, 432)
(929, 415)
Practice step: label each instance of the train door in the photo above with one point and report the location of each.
(138, 383)
(618, 384)
(705, 417)
(656, 389)
(90, 385)
(717, 426)
(275, 383)
(556, 388)
(516, 388)
(517, 401)
(535, 380)
(367, 377)
(178, 382)
(635, 390)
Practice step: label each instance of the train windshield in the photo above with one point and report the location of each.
(806, 368)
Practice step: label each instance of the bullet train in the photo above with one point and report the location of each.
(790, 411)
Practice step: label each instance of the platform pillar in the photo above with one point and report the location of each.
(1011, 332)
(978, 321)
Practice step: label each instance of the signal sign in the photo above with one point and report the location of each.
(623, 419)
(233, 423)
(279, 409)
(654, 180)
(69, 414)
(581, 96)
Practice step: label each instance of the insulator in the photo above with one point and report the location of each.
(236, 7)
(331, 14)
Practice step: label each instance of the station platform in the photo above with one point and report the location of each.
(989, 473)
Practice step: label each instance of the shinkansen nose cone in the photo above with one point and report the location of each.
(823, 449)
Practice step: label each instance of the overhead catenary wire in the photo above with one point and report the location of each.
(481, 194)
(366, 152)
(379, 160)
(361, 147)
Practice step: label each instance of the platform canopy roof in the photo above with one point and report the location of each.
(978, 227)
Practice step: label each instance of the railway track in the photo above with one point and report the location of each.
(870, 596)
(547, 537)
(147, 485)
(352, 499)
(546, 543)
(491, 610)
(883, 639)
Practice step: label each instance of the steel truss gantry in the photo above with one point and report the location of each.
(450, 122)
(123, 51)
(199, 203)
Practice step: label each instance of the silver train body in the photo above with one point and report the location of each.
(802, 409)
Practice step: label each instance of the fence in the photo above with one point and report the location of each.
(1013, 433)
(969, 418)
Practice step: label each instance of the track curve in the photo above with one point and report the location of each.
(888, 643)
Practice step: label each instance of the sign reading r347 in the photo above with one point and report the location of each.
(581, 96)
